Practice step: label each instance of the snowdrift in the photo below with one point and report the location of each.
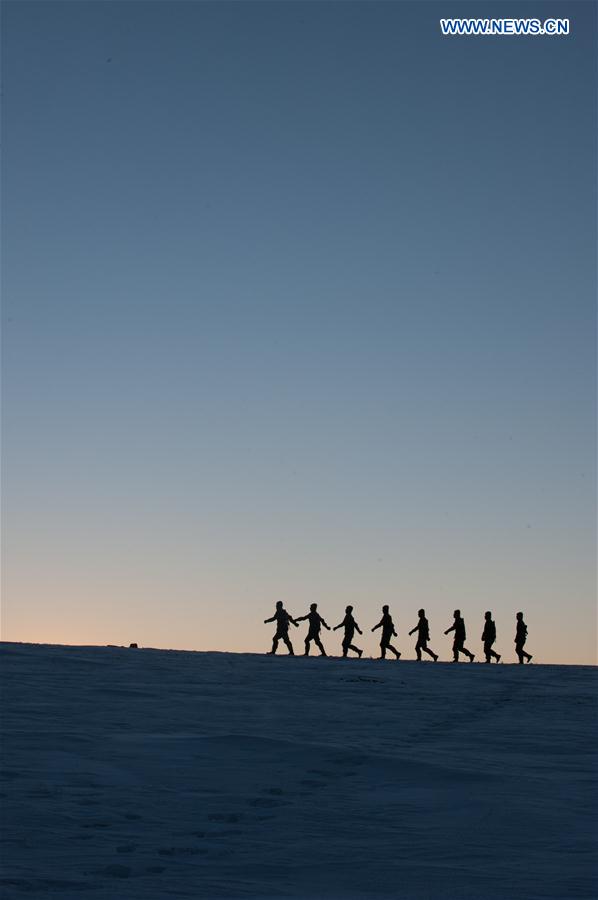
(155, 774)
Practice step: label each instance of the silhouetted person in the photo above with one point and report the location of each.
(282, 619)
(315, 623)
(388, 631)
(350, 626)
(458, 627)
(520, 639)
(423, 636)
(489, 636)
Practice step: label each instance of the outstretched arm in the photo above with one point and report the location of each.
(413, 629)
(379, 625)
(338, 626)
(269, 620)
(452, 628)
(324, 624)
(300, 619)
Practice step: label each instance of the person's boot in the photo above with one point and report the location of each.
(435, 657)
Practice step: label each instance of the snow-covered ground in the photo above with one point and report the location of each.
(156, 774)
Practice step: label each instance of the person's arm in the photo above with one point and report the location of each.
(300, 619)
(358, 628)
(327, 627)
(414, 629)
(452, 628)
(336, 627)
(269, 620)
(379, 625)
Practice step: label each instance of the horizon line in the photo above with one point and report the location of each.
(279, 656)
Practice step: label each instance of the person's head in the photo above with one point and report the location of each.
(349, 609)
(457, 614)
(520, 616)
(421, 613)
(488, 615)
(279, 604)
(385, 609)
(313, 607)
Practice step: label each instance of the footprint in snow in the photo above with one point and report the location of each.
(229, 818)
(126, 848)
(180, 851)
(267, 802)
(116, 871)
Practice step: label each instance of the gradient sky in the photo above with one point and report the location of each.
(298, 304)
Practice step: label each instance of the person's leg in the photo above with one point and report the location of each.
(460, 648)
(289, 645)
(274, 645)
(431, 653)
(490, 653)
(395, 651)
(456, 651)
(418, 650)
(307, 642)
(519, 652)
(355, 649)
(382, 650)
(346, 647)
(320, 645)
(524, 654)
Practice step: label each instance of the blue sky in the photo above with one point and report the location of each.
(299, 303)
